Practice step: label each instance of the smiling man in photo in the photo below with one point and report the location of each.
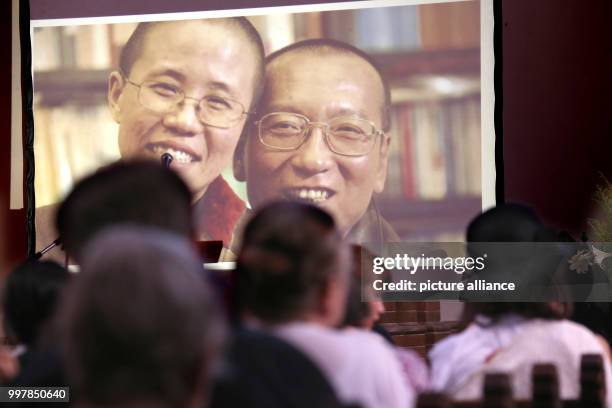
(320, 136)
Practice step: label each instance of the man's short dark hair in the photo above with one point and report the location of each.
(329, 46)
(133, 192)
(133, 47)
(289, 254)
(31, 293)
(139, 324)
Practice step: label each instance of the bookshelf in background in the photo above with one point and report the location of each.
(74, 132)
(430, 55)
(434, 177)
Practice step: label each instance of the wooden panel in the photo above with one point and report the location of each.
(428, 315)
(406, 316)
(428, 306)
(410, 340)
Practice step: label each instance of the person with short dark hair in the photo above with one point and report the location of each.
(185, 88)
(320, 136)
(292, 278)
(31, 293)
(363, 310)
(139, 327)
(127, 192)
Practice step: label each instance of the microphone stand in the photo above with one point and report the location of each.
(166, 159)
(39, 254)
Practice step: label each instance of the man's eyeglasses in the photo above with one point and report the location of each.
(347, 136)
(162, 97)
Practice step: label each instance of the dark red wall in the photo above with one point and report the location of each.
(557, 116)
(12, 224)
(557, 110)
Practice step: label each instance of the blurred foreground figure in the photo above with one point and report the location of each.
(293, 275)
(136, 193)
(139, 327)
(31, 293)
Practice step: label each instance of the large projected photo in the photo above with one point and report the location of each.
(376, 117)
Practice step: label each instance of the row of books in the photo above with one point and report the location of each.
(435, 150)
(70, 141)
(97, 46)
(78, 47)
(376, 29)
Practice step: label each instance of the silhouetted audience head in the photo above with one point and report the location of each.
(30, 296)
(363, 306)
(292, 265)
(508, 223)
(133, 192)
(535, 265)
(139, 325)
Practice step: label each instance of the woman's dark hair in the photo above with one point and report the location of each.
(508, 223)
(515, 223)
(289, 254)
(30, 296)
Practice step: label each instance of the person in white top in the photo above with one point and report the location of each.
(512, 336)
(292, 279)
(512, 342)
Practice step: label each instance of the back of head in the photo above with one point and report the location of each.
(134, 192)
(532, 267)
(508, 223)
(290, 252)
(31, 293)
(139, 323)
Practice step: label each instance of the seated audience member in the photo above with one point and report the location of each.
(510, 336)
(363, 309)
(292, 278)
(139, 327)
(185, 88)
(134, 193)
(263, 371)
(31, 293)
(320, 136)
(138, 193)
